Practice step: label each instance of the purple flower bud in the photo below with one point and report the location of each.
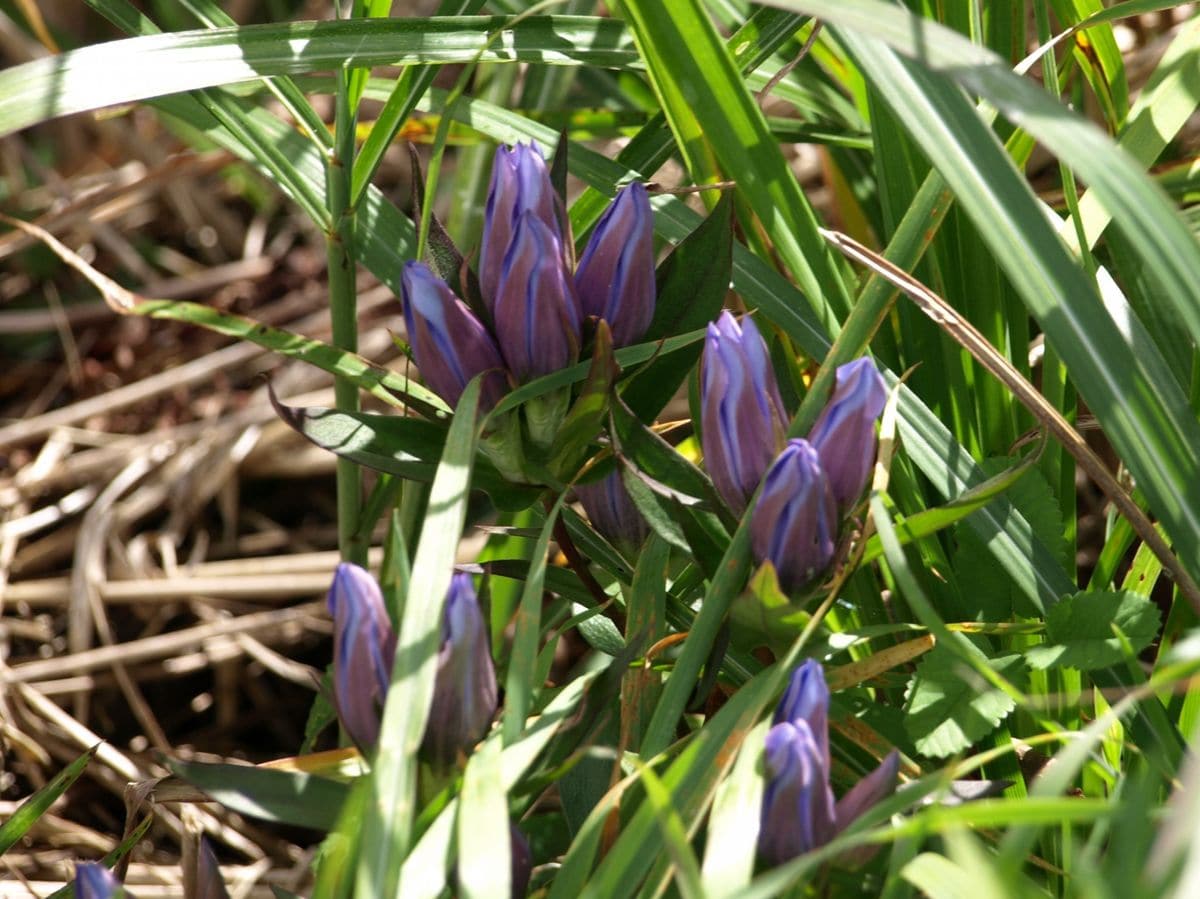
(537, 316)
(521, 861)
(209, 883)
(450, 345)
(795, 520)
(807, 699)
(363, 650)
(869, 791)
(612, 512)
(94, 881)
(464, 691)
(520, 183)
(844, 434)
(743, 421)
(797, 809)
(615, 279)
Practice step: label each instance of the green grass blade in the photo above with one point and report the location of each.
(1143, 211)
(424, 872)
(39, 803)
(704, 95)
(391, 810)
(1144, 414)
(139, 68)
(484, 856)
(520, 685)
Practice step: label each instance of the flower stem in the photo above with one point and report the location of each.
(343, 297)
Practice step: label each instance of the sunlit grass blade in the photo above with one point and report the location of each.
(424, 873)
(156, 65)
(391, 810)
(1143, 211)
(1147, 417)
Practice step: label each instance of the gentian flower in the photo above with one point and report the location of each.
(464, 692)
(794, 523)
(94, 881)
(449, 343)
(615, 278)
(363, 651)
(799, 813)
(611, 511)
(844, 434)
(743, 423)
(520, 183)
(538, 322)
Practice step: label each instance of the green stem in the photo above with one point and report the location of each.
(343, 297)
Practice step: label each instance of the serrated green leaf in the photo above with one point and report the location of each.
(986, 588)
(949, 707)
(1081, 630)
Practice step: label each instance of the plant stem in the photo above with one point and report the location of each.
(343, 297)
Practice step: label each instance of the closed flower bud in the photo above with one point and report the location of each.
(795, 520)
(450, 345)
(520, 183)
(209, 883)
(807, 699)
(798, 810)
(521, 860)
(615, 279)
(844, 434)
(94, 881)
(743, 422)
(538, 323)
(612, 512)
(464, 690)
(363, 650)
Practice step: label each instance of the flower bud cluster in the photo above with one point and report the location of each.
(808, 485)
(537, 306)
(799, 812)
(464, 689)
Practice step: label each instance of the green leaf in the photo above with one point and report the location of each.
(692, 283)
(1128, 386)
(156, 65)
(387, 829)
(286, 797)
(1082, 630)
(521, 686)
(408, 447)
(658, 460)
(949, 707)
(586, 418)
(484, 856)
(930, 521)
(39, 803)
(424, 873)
(718, 125)
(991, 592)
